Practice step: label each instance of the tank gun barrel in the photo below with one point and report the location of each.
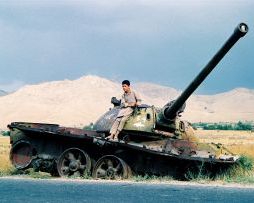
(171, 111)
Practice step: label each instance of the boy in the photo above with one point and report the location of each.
(129, 101)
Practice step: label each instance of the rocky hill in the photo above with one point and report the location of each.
(79, 102)
(2, 93)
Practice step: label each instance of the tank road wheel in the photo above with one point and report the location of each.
(73, 162)
(21, 154)
(111, 167)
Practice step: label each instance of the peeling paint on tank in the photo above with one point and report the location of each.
(139, 125)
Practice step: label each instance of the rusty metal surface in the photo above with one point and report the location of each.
(180, 149)
(111, 167)
(52, 129)
(21, 154)
(73, 161)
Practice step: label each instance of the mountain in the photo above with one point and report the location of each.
(158, 95)
(77, 103)
(3, 93)
(234, 105)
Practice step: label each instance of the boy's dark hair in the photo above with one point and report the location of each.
(126, 82)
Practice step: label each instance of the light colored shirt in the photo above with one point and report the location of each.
(129, 100)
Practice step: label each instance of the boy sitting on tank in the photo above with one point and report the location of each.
(129, 101)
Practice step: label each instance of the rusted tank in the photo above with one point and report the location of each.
(153, 141)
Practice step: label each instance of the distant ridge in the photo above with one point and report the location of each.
(79, 102)
(2, 93)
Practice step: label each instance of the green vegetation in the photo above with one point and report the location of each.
(5, 133)
(5, 172)
(35, 174)
(246, 163)
(10, 171)
(88, 127)
(242, 172)
(29, 172)
(146, 177)
(225, 126)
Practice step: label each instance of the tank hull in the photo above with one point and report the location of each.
(40, 146)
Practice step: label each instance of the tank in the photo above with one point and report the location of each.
(153, 141)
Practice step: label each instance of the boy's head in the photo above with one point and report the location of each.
(126, 82)
(126, 85)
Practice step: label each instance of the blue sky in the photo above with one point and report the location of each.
(164, 42)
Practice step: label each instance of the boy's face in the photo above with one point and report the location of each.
(126, 88)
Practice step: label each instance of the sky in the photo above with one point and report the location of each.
(164, 42)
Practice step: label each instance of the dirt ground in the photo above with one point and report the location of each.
(239, 142)
(4, 152)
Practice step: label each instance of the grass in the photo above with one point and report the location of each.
(5, 164)
(239, 142)
(151, 178)
(227, 137)
(29, 172)
(242, 172)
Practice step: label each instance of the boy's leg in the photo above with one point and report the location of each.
(114, 128)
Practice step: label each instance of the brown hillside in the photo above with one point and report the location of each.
(79, 102)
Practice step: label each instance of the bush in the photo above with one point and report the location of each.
(5, 133)
(246, 163)
(224, 126)
(88, 127)
(243, 126)
(240, 172)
